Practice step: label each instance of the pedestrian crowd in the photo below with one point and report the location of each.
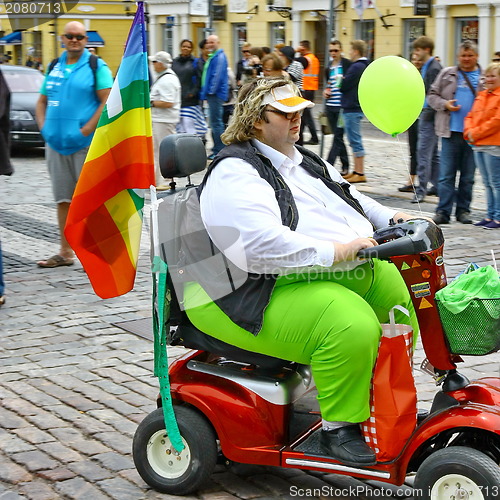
(457, 130)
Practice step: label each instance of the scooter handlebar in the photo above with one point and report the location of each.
(407, 238)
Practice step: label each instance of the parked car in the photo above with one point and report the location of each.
(24, 84)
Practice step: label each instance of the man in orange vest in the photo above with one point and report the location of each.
(310, 83)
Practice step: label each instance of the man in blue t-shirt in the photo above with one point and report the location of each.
(452, 96)
(71, 100)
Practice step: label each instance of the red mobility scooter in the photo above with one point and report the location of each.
(239, 406)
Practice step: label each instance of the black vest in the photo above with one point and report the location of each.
(245, 306)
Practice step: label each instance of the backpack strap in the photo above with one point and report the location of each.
(92, 63)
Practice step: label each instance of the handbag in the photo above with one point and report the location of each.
(393, 396)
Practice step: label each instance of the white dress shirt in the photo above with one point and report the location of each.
(236, 197)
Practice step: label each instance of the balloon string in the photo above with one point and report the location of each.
(407, 169)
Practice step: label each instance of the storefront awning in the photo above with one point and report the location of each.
(14, 38)
(95, 40)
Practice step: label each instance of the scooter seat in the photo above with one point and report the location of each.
(189, 336)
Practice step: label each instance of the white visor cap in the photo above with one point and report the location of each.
(285, 99)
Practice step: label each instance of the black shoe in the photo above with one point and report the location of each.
(441, 218)
(407, 188)
(418, 198)
(347, 446)
(464, 218)
(312, 142)
(432, 191)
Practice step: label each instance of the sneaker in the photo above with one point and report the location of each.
(483, 222)
(432, 191)
(492, 225)
(408, 188)
(441, 218)
(356, 178)
(312, 142)
(464, 218)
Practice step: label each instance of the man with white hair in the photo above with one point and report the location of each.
(165, 105)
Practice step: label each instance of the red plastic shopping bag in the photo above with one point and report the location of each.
(393, 398)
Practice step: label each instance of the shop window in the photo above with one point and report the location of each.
(239, 38)
(277, 34)
(467, 29)
(365, 30)
(413, 29)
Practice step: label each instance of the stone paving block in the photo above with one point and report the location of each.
(90, 471)
(35, 460)
(60, 452)
(10, 495)
(115, 375)
(10, 443)
(33, 435)
(117, 441)
(79, 489)
(11, 472)
(120, 489)
(275, 485)
(10, 420)
(237, 486)
(59, 474)
(91, 425)
(114, 461)
(37, 397)
(45, 420)
(20, 406)
(110, 387)
(37, 490)
(133, 476)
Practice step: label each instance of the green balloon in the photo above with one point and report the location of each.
(391, 94)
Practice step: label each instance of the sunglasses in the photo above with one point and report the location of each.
(334, 50)
(288, 116)
(245, 51)
(495, 60)
(78, 37)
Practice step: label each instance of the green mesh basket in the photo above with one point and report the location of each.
(475, 331)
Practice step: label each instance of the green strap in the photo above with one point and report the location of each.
(161, 315)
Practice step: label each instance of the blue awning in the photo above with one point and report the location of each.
(95, 40)
(14, 38)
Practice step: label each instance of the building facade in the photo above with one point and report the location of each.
(388, 26)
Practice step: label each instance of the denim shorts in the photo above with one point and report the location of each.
(352, 127)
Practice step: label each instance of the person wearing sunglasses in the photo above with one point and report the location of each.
(243, 65)
(298, 228)
(71, 100)
(334, 74)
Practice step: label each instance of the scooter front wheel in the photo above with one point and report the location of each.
(161, 466)
(458, 473)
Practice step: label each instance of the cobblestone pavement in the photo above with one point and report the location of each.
(73, 387)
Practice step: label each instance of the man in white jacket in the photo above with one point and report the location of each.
(165, 104)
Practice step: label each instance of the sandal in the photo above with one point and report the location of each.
(56, 261)
(2, 300)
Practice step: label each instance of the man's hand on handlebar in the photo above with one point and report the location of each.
(349, 251)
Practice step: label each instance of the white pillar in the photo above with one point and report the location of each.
(296, 33)
(496, 34)
(184, 28)
(442, 29)
(153, 34)
(484, 34)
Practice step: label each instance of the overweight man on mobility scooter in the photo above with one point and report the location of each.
(283, 203)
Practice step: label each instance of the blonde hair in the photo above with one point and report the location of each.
(249, 108)
(493, 68)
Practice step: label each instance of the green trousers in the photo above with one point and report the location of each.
(330, 321)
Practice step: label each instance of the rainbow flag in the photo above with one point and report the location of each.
(105, 217)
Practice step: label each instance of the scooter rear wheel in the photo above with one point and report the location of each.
(458, 472)
(161, 466)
